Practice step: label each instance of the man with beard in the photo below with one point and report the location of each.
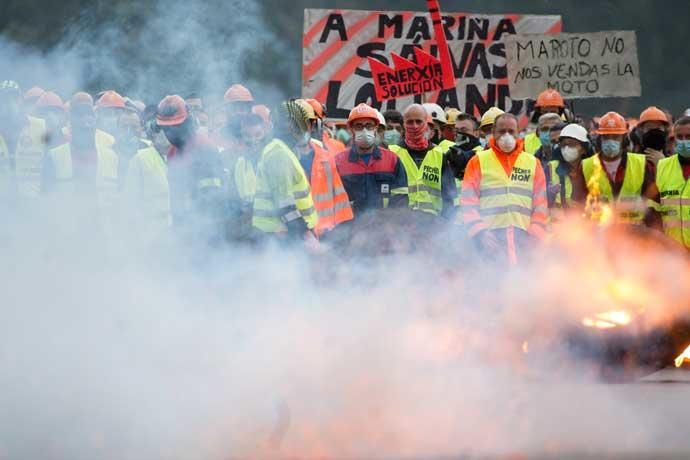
(198, 193)
(21, 148)
(430, 178)
(82, 175)
(144, 180)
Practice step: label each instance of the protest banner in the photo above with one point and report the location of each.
(599, 64)
(338, 43)
(424, 74)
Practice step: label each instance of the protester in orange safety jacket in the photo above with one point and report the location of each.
(330, 199)
(320, 132)
(504, 201)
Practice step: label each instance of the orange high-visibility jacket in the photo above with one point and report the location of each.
(332, 145)
(330, 199)
(472, 192)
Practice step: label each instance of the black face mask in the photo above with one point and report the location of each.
(654, 139)
(177, 135)
(466, 142)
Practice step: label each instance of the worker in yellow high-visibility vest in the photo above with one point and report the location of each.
(672, 186)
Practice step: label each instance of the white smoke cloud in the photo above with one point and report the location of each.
(242, 353)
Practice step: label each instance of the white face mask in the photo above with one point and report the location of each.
(570, 153)
(365, 138)
(507, 142)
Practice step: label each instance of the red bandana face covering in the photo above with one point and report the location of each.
(415, 137)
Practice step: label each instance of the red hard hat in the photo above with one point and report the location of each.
(612, 123)
(238, 93)
(262, 111)
(362, 111)
(81, 100)
(318, 107)
(50, 100)
(172, 111)
(34, 93)
(550, 98)
(653, 114)
(110, 100)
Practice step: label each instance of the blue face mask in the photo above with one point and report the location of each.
(683, 148)
(545, 138)
(483, 141)
(610, 148)
(392, 137)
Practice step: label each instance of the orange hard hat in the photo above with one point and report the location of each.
(238, 93)
(653, 114)
(362, 111)
(262, 111)
(172, 111)
(110, 100)
(550, 98)
(34, 93)
(318, 107)
(612, 123)
(81, 100)
(50, 100)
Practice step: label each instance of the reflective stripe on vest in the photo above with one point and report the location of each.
(675, 199)
(629, 207)
(555, 180)
(423, 183)
(21, 164)
(330, 198)
(269, 213)
(506, 201)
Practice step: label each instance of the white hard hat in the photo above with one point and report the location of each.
(436, 112)
(575, 131)
(687, 112)
(382, 119)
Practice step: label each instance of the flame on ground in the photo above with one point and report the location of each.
(596, 211)
(683, 357)
(608, 320)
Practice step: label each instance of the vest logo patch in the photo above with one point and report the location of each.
(431, 174)
(667, 193)
(521, 175)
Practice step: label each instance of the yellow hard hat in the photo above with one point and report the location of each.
(489, 116)
(308, 109)
(452, 115)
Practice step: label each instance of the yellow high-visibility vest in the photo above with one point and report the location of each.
(532, 143)
(423, 183)
(148, 190)
(269, 203)
(630, 207)
(675, 199)
(245, 179)
(20, 166)
(506, 200)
